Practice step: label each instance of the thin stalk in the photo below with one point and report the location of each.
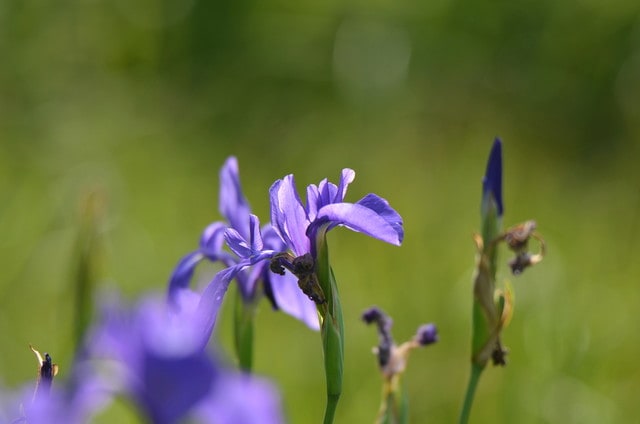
(243, 331)
(332, 331)
(330, 410)
(474, 378)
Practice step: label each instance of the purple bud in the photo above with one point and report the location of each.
(492, 181)
(427, 334)
(371, 315)
(383, 322)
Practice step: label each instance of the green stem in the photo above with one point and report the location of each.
(474, 378)
(332, 333)
(243, 332)
(332, 330)
(395, 406)
(330, 411)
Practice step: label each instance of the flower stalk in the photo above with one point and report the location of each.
(493, 308)
(244, 314)
(332, 328)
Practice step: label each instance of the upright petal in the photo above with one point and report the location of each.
(327, 191)
(346, 178)
(361, 219)
(288, 216)
(313, 199)
(255, 236)
(233, 205)
(331, 193)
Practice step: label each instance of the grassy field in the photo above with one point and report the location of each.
(142, 104)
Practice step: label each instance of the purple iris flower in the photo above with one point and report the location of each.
(153, 355)
(298, 224)
(295, 227)
(492, 181)
(234, 207)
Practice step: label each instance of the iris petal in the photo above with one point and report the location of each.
(233, 205)
(288, 215)
(361, 219)
(381, 207)
(184, 271)
(291, 300)
(346, 178)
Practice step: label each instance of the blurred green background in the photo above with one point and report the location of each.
(141, 102)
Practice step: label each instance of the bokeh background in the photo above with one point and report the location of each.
(136, 104)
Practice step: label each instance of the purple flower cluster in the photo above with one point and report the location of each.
(242, 225)
(154, 353)
(294, 228)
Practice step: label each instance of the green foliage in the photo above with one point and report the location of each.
(147, 103)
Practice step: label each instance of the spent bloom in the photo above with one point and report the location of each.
(392, 358)
(392, 361)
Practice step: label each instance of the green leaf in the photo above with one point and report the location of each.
(89, 256)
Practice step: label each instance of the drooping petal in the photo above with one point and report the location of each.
(361, 219)
(212, 237)
(382, 208)
(492, 181)
(288, 215)
(213, 295)
(210, 302)
(233, 205)
(237, 243)
(291, 300)
(183, 273)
